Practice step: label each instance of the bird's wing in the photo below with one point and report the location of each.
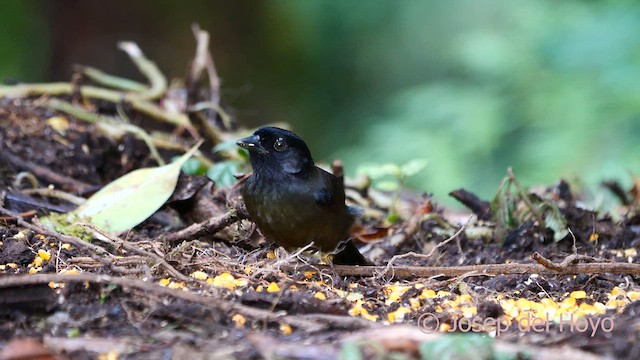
(323, 197)
(328, 191)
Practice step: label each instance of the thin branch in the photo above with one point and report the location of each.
(404, 272)
(208, 227)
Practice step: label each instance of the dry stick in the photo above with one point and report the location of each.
(214, 79)
(402, 272)
(566, 263)
(210, 226)
(193, 83)
(125, 244)
(309, 322)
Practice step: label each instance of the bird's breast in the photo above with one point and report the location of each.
(287, 214)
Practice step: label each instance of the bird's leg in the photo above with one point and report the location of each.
(327, 258)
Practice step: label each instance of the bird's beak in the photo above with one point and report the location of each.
(252, 143)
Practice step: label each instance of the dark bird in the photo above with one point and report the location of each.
(294, 202)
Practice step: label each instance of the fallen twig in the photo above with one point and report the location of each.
(208, 227)
(474, 203)
(403, 272)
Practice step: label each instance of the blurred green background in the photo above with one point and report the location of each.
(551, 88)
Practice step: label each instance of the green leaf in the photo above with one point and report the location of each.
(387, 185)
(413, 167)
(193, 167)
(223, 173)
(350, 351)
(134, 197)
(458, 346)
(555, 221)
(225, 146)
(502, 208)
(376, 171)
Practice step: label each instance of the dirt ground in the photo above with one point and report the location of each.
(224, 292)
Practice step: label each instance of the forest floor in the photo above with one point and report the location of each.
(531, 275)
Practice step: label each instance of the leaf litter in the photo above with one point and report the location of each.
(191, 276)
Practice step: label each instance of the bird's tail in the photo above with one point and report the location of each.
(349, 255)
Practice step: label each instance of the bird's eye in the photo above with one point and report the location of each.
(280, 145)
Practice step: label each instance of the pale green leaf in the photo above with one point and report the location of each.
(376, 171)
(555, 221)
(413, 167)
(134, 197)
(387, 185)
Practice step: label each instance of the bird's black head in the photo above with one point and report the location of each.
(277, 151)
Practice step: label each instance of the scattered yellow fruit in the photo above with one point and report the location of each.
(239, 320)
(111, 355)
(164, 282)
(59, 123)
(319, 295)
(427, 294)
(285, 329)
(394, 293)
(37, 262)
(579, 294)
(44, 254)
(175, 285)
(69, 271)
(616, 291)
(357, 309)
(273, 287)
(55, 285)
(200, 275)
(633, 295)
(414, 303)
(398, 315)
(469, 311)
(225, 280)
